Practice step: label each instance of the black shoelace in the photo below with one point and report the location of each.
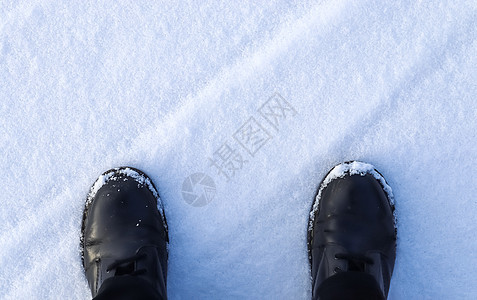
(127, 266)
(355, 262)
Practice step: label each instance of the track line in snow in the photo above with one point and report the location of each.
(322, 14)
(165, 131)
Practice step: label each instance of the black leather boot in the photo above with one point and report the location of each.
(352, 228)
(124, 232)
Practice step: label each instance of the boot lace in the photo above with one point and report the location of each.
(127, 266)
(355, 262)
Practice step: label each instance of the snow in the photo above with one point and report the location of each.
(166, 88)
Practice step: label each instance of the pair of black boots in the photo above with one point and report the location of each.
(351, 236)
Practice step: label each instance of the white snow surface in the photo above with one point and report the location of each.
(172, 87)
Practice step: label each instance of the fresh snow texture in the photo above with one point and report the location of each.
(245, 106)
